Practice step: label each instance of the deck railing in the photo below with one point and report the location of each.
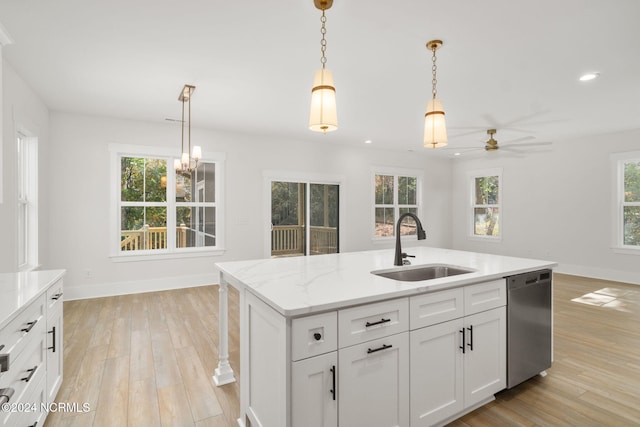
(151, 238)
(289, 240)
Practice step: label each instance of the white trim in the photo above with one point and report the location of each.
(138, 286)
(617, 189)
(471, 176)
(270, 176)
(599, 273)
(395, 172)
(118, 150)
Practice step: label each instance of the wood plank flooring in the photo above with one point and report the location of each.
(147, 360)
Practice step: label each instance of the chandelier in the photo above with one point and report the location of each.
(189, 159)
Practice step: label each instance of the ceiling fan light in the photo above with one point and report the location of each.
(323, 116)
(435, 129)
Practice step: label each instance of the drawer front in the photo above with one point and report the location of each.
(17, 333)
(54, 295)
(485, 296)
(27, 372)
(438, 307)
(372, 321)
(314, 335)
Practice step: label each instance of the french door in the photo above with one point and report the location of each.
(304, 218)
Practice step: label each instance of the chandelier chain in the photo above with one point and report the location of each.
(323, 41)
(434, 67)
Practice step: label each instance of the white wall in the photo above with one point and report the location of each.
(22, 110)
(80, 182)
(556, 204)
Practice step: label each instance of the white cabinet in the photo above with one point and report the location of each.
(485, 366)
(314, 398)
(404, 362)
(437, 387)
(374, 383)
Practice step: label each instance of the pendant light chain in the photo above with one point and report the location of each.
(323, 41)
(434, 67)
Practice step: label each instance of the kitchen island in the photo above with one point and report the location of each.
(326, 342)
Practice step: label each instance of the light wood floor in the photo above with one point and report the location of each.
(147, 360)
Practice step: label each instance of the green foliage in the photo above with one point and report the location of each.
(143, 180)
(632, 195)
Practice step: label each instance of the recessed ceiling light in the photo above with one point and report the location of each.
(456, 154)
(368, 141)
(589, 76)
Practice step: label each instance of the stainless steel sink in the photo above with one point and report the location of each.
(423, 272)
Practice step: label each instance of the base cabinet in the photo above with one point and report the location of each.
(374, 383)
(456, 365)
(406, 362)
(314, 399)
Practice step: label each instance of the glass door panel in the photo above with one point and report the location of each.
(323, 230)
(288, 218)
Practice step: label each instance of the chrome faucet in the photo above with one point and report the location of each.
(400, 256)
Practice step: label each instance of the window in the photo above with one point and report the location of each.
(485, 203)
(161, 211)
(395, 194)
(27, 224)
(627, 217)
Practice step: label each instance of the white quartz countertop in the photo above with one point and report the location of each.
(19, 289)
(296, 286)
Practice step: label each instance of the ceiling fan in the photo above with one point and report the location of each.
(513, 146)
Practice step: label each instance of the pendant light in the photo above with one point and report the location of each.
(323, 116)
(189, 159)
(435, 130)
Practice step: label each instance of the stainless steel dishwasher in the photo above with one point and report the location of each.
(528, 325)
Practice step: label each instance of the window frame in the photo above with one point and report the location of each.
(117, 151)
(618, 161)
(471, 177)
(26, 201)
(395, 172)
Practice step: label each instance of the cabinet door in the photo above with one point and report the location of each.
(373, 383)
(54, 353)
(313, 391)
(485, 357)
(436, 372)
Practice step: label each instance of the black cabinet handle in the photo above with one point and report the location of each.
(56, 296)
(379, 322)
(463, 340)
(29, 327)
(470, 329)
(34, 424)
(53, 331)
(333, 389)
(317, 336)
(31, 371)
(384, 347)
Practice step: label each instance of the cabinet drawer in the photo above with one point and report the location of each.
(54, 296)
(437, 307)
(25, 374)
(314, 335)
(372, 321)
(485, 296)
(17, 333)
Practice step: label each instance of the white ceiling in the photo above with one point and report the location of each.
(512, 65)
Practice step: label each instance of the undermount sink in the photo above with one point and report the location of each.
(422, 272)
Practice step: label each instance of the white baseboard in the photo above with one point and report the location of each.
(138, 286)
(599, 273)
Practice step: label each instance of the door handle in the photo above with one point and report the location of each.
(463, 341)
(384, 347)
(333, 389)
(53, 331)
(470, 329)
(29, 327)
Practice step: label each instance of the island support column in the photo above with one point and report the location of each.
(223, 373)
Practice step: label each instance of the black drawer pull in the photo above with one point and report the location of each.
(31, 371)
(384, 347)
(463, 340)
(379, 322)
(53, 331)
(333, 389)
(29, 327)
(34, 424)
(57, 296)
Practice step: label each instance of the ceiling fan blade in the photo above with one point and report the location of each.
(532, 144)
(517, 140)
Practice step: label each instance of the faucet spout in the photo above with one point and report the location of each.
(400, 256)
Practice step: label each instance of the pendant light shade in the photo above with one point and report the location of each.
(323, 116)
(435, 129)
